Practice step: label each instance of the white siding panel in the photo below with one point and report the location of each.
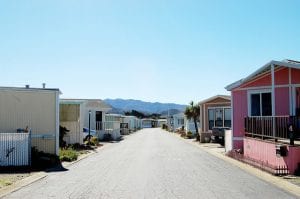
(14, 149)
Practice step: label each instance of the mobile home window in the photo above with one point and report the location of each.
(227, 117)
(261, 104)
(211, 120)
(219, 117)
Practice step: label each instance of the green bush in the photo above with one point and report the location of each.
(94, 141)
(189, 135)
(68, 155)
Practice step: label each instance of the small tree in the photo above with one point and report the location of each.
(62, 132)
(193, 112)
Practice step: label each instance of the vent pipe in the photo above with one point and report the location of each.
(44, 85)
(27, 86)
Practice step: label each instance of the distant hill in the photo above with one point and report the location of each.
(171, 112)
(120, 105)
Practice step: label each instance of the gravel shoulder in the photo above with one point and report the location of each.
(11, 178)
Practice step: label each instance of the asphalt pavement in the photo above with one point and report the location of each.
(151, 164)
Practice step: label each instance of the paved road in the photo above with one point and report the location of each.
(151, 164)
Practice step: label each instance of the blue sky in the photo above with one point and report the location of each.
(166, 51)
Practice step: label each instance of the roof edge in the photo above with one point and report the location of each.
(227, 97)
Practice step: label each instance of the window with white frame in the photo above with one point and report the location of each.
(260, 103)
(219, 117)
(180, 121)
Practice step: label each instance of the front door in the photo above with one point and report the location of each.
(99, 125)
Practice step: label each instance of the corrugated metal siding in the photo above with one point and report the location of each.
(34, 109)
(14, 149)
(46, 144)
(74, 134)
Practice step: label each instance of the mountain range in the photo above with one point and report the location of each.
(123, 105)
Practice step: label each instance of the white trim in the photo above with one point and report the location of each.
(218, 107)
(273, 90)
(218, 103)
(57, 124)
(273, 97)
(290, 92)
(250, 92)
(265, 87)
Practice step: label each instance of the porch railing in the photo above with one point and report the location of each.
(107, 126)
(271, 127)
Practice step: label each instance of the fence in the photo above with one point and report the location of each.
(111, 128)
(15, 149)
(274, 127)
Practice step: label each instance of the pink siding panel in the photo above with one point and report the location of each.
(261, 81)
(265, 152)
(282, 101)
(238, 144)
(282, 76)
(295, 76)
(240, 111)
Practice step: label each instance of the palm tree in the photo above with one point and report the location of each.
(193, 112)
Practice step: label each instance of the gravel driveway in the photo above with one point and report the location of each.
(151, 164)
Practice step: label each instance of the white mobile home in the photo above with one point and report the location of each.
(112, 126)
(161, 122)
(35, 109)
(75, 115)
(148, 123)
(133, 123)
(179, 121)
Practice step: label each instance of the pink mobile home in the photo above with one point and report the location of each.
(264, 104)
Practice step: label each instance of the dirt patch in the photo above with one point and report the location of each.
(11, 178)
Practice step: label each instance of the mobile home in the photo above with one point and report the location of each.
(266, 115)
(32, 109)
(75, 115)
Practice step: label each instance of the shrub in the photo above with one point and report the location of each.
(62, 132)
(182, 134)
(189, 135)
(165, 127)
(75, 146)
(94, 141)
(68, 155)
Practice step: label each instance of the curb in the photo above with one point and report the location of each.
(40, 175)
(22, 183)
(276, 181)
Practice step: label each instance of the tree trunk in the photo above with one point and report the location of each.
(196, 128)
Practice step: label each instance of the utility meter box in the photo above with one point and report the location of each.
(281, 150)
